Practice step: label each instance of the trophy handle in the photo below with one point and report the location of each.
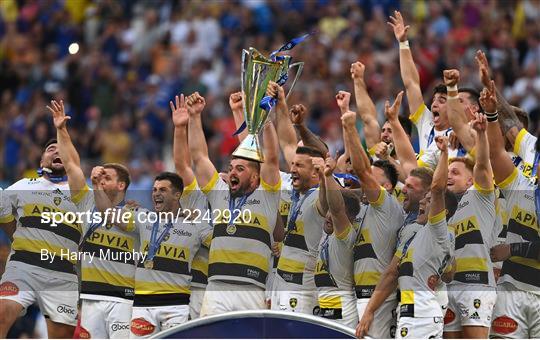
(300, 66)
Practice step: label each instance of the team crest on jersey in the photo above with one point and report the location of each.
(404, 331)
(231, 229)
(293, 302)
(57, 201)
(476, 303)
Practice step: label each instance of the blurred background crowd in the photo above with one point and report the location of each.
(117, 63)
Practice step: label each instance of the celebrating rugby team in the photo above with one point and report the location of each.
(392, 243)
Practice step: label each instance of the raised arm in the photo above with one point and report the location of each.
(236, 103)
(440, 179)
(500, 161)
(456, 114)
(182, 160)
(364, 106)
(409, 73)
(66, 149)
(404, 149)
(204, 169)
(509, 122)
(284, 127)
(270, 167)
(298, 117)
(359, 159)
(334, 198)
(482, 173)
(322, 203)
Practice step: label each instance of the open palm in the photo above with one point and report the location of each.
(180, 114)
(59, 115)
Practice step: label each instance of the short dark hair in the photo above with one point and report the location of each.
(389, 170)
(439, 88)
(425, 175)
(121, 172)
(176, 181)
(473, 94)
(49, 142)
(451, 203)
(469, 163)
(306, 150)
(252, 163)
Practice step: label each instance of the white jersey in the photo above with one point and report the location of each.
(194, 200)
(296, 265)
(427, 255)
(525, 148)
(334, 273)
(168, 281)
(376, 242)
(240, 251)
(109, 274)
(521, 272)
(36, 240)
(473, 223)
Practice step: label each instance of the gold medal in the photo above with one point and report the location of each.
(231, 229)
(149, 264)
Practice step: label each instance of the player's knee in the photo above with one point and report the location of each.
(9, 310)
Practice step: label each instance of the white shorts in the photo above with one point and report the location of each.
(147, 321)
(516, 313)
(105, 319)
(195, 302)
(347, 315)
(384, 319)
(221, 297)
(420, 328)
(469, 305)
(56, 298)
(295, 301)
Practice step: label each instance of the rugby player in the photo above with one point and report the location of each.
(32, 275)
(432, 122)
(334, 272)
(376, 240)
(192, 199)
(472, 294)
(244, 212)
(417, 184)
(517, 310)
(106, 280)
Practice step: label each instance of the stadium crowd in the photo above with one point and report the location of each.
(428, 220)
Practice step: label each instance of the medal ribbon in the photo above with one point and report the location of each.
(155, 240)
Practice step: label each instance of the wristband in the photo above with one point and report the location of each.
(404, 45)
(530, 250)
(451, 88)
(492, 116)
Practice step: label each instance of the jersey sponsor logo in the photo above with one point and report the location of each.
(65, 309)
(466, 226)
(449, 317)
(181, 232)
(252, 273)
(477, 303)
(504, 325)
(141, 327)
(170, 252)
(524, 217)
(110, 240)
(119, 326)
(8, 288)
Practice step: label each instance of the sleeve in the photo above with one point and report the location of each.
(438, 226)
(8, 201)
(206, 234)
(271, 188)
(525, 142)
(429, 159)
(215, 189)
(347, 238)
(193, 198)
(84, 200)
(511, 186)
(422, 119)
(388, 214)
